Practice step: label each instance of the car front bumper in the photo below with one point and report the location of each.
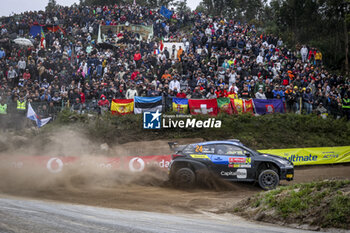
(287, 173)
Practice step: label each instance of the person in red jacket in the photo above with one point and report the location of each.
(181, 94)
(221, 92)
(103, 103)
(134, 74)
(82, 96)
(137, 59)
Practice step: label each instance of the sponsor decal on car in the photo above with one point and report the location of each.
(237, 159)
(195, 156)
(240, 165)
(240, 173)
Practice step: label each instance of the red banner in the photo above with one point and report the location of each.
(58, 163)
(203, 106)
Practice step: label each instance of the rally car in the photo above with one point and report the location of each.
(229, 160)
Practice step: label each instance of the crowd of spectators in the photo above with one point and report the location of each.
(219, 58)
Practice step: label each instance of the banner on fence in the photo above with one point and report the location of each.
(242, 106)
(225, 105)
(268, 106)
(313, 156)
(180, 105)
(203, 106)
(147, 104)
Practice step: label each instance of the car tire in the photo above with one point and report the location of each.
(184, 178)
(268, 179)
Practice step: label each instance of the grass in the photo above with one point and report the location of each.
(269, 131)
(324, 203)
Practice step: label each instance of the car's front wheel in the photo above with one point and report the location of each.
(268, 179)
(184, 178)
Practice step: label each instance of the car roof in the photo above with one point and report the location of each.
(230, 141)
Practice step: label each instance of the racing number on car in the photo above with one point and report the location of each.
(199, 148)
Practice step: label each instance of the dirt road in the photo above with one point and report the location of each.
(146, 192)
(19, 215)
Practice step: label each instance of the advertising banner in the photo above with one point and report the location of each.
(313, 156)
(59, 163)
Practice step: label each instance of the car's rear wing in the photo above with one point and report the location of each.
(174, 146)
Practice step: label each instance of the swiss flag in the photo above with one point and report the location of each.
(203, 106)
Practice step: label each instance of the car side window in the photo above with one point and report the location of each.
(224, 149)
(200, 149)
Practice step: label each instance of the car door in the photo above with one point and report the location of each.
(201, 152)
(232, 162)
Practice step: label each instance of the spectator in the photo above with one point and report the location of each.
(77, 106)
(260, 94)
(131, 92)
(103, 104)
(308, 100)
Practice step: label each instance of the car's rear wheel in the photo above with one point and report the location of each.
(184, 178)
(268, 179)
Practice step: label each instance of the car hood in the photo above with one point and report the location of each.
(273, 157)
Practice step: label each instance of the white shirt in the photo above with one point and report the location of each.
(259, 95)
(303, 50)
(259, 59)
(130, 93)
(173, 84)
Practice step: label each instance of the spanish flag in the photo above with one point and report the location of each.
(180, 105)
(122, 106)
(242, 106)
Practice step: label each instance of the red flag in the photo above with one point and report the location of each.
(161, 47)
(203, 106)
(248, 106)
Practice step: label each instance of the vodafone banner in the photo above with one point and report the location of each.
(57, 164)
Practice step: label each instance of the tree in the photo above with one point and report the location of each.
(51, 5)
(181, 6)
(318, 23)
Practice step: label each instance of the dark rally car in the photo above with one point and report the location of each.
(230, 160)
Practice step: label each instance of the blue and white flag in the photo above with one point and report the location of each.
(34, 117)
(166, 12)
(147, 104)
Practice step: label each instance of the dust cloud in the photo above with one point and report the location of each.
(84, 181)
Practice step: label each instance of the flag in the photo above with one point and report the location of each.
(147, 104)
(54, 28)
(35, 30)
(180, 105)
(203, 106)
(161, 46)
(225, 105)
(242, 106)
(232, 96)
(32, 115)
(122, 106)
(165, 12)
(268, 106)
(237, 105)
(42, 40)
(248, 106)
